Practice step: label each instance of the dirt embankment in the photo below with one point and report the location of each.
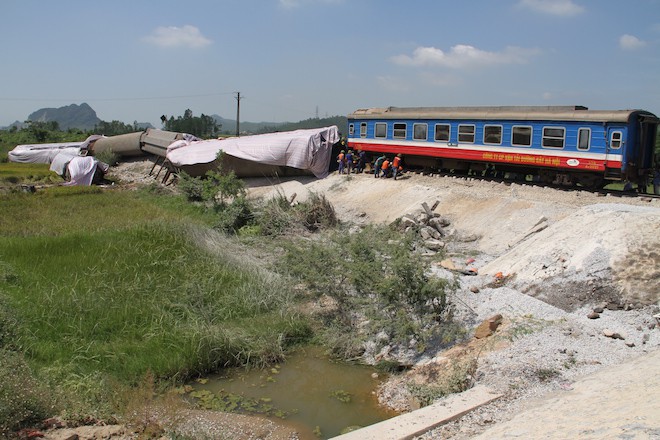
(581, 284)
(563, 254)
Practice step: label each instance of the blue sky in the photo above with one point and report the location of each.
(136, 60)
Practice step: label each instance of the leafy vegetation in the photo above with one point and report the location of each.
(105, 286)
(201, 126)
(458, 377)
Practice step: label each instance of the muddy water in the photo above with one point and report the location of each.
(309, 391)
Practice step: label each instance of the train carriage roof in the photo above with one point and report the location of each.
(522, 113)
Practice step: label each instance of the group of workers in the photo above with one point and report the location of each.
(349, 162)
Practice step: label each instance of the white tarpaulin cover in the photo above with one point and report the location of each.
(45, 153)
(81, 170)
(303, 149)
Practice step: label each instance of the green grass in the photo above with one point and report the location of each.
(11, 172)
(107, 286)
(141, 298)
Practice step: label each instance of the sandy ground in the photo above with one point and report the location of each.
(564, 254)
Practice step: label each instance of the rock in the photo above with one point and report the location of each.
(425, 234)
(428, 232)
(407, 221)
(598, 309)
(593, 315)
(448, 264)
(613, 306)
(422, 219)
(474, 289)
(630, 344)
(612, 334)
(433, 244)
(468, 238)
(439, 222)
(488, 327)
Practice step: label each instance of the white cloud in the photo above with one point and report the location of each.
(630, 42)
(553, 7)
(463, 56)
(172, 36)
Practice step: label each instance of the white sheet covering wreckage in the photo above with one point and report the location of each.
(309, 150)
(304, 149)
(64, 158)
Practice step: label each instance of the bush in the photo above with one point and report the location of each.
(456, 379)
(23, 401)
(233, 216)
(108, 156)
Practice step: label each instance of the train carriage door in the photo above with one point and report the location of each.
(614, 148)
(648, 127)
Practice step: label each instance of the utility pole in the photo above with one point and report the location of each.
(238, 114)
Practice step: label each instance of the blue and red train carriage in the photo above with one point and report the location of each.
(572, 144)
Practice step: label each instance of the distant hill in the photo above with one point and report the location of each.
(71, 116)
(84, 117)
(80, 116)
(228, 126)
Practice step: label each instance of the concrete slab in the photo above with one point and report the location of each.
(409, 425)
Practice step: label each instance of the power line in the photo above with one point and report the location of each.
(151, 98)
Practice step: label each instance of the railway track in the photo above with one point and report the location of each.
(560, 187)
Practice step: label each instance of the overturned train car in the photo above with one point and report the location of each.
(571, 144)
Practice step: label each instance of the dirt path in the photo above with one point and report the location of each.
(618, 402)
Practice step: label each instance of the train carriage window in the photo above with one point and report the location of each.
(584, 139)
(615, 140)
(521, 136)
(380, 130)
(442, 132)
(553, 137)
(363, 130)
(466, 133)
(493, 134)
(399, 130)
(351, 129)
(420, 132)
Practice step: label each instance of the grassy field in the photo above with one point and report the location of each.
(114, 285)
(11, 173)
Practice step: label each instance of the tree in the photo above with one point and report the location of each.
(40, 130)
(203, 126)
(114, 128)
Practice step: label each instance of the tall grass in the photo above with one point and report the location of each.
(105, 286)
(12, 173)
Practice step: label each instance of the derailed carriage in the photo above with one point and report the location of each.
(571, 144)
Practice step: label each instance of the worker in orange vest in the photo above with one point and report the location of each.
(341, 160)
(397, 165)
(385, 168)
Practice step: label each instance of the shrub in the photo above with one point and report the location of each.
(23, 401)
(317, 212)
(456, 379)
(108, 156)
